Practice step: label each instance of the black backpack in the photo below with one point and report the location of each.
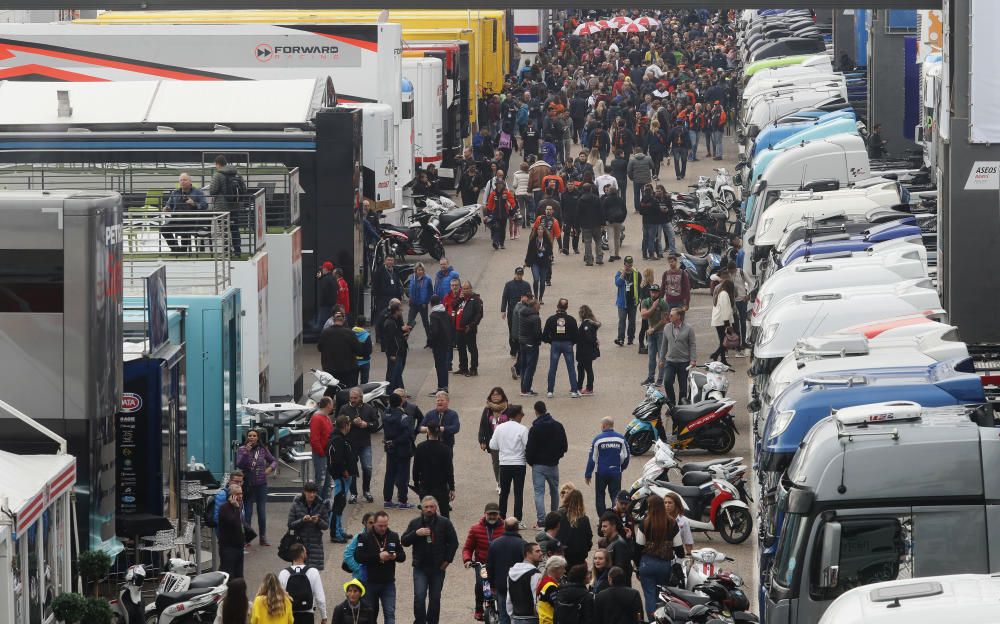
(236, 188)
(567, 611)
(299, 589)
(208, 514)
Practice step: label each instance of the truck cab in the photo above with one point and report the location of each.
(926, 600)
(884, 492)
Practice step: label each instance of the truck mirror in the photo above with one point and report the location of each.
(829, 565)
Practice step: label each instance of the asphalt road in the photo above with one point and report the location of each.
(619, 372)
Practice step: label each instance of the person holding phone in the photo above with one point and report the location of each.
(309, 516)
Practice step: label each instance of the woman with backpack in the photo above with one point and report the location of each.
(308, 517)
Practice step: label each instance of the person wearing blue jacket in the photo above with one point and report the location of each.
(446, 419)
(222, 496)
(609, 455)
(398, 433)
(420, 293)
(627, 282)
(350, 563)
(364, 361)
(442, 279)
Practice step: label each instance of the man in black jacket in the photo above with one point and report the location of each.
(613, 207)
(342, 465)
(363, 421)
(394, 342)
(433, 470)
(570, 208)
(434, 543)
(529, 338)
(591, 219)
(618, 604)
(386, 286)
(440, 335)
(339, 347)
(326, 293)
(505, 551)
(546, 446)
(467, 319)
(561, 334)
(619, 169)
(379, 550)
(513, 290)
(619, 549)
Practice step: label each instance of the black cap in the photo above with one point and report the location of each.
(622, 496)
(519, 270)
(654, 286)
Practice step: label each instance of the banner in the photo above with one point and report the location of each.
(984, 80)
(157, 330)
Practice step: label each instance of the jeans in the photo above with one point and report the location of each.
(562, 349)
(668, 235)
(680, 162)
(427, 586)
(322, 476)
(529, 361)
(340, 488)
(513, 474)
(394, 371)
(411, 315)
(397, 473)
(468, 351)
(615, 234)
(717, 143)
(653, 345)
(386, 594)
(651, 240)
(258, 495)
(540, 475)
(653, 571)
(612, 484)
(231, 561)
(363, 372)
(498, 232)
(365, 457)
(502, 607)
(626, 314)
(585, 371)
(441, 366)
(526, 204)
(693, 134)
(679, 370)
(540, 273)
(592, 238)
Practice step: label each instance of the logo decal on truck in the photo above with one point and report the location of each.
(265, 52)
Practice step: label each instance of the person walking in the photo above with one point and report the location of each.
(538, 257)
(501, 207)
(640, 171)
(398, 435)
(257, 463)
(666, 217)
(587, 350)
(419, 293)
(522, 193)
(515, 331)
(680, 353)
(675, 284)
(615, 213)
(320, 430)
(513, 290)
(648, 279)
(302, 582)
(529, 340)
(618, 604)
(654, 538)
(228, 191)
(561, 333)
(231, 537)
(379, 550)
(440, 336)
(339, 350)
(445, 418)
(522, 579)
(510, 440)
(547, 444)
(652, 223)
(608, 459)
(342, 464)
(722, 315)
(627, 300)
(272, 604)
(434, 543)
(434, 470)
(575, 532)
(395, 335)
(467, 318)
(504, 553)
(655, 311)
(590, 217)
(364, 420)
(309, 516)
(353, 610)
(680, 145)
(442, 279)
(386, 286)
(619, 169)
(477, 545)
(494, 415)
(235, 607)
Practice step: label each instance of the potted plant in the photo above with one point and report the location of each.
(96, 611)
(69, 608)
(93, 566)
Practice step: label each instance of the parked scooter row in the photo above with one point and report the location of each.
(179, 597)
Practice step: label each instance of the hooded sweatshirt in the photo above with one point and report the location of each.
(521, 583)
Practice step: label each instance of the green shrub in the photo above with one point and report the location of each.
(97, 611)
(69, 608)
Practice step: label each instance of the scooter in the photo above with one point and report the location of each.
(658, 468)
(710, 602)
(456, 223)
(723, 188)
(422, 237)
(374, 393)
(699, 240)
(711, 385)
(699, 567)
(714, 505)
(128, 608)
(179, 597)
(701, 270)
(706, 424)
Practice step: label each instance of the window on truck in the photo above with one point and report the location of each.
(873, 549)
(790, 549)
(31, 280)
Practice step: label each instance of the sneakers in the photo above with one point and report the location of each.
(405, 506)
(643, 351)
(339, 539)
(587, 392)
(353, 499)
(619, 342)
(648, 382)
(574, 395)
(369, 498)
(548, 395)
(389, 504)
(529, 393)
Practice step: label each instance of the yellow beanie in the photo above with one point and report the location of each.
(356, 582)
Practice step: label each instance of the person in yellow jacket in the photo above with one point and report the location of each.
(272, 605)
(548, 587)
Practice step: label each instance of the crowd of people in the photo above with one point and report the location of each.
(626, 104)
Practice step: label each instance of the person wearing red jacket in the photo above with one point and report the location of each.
(477, 545)
(343, 291)
(320, 429)
(501, 205)
(451, 301)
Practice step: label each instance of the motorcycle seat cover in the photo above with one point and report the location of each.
(696, 478)
(702, 466)
(166, 599)
(368, 387)
(687, 413)
(690, 597)
(691, 492)
(209, 579)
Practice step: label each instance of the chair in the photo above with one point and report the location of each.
(162, 542)
(185, 541)
(133, 235)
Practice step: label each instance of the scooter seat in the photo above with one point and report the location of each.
(696, 478)
(166, 599)
(695, 260)
(684, 414)
(702, 466)
(691, 597)
(209, 579)
(368, 387)
(691, 492)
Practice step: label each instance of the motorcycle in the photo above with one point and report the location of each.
(699, 239)
(716, 600)
(723, 189)
(658, 469)
(699, 567)
(706, 424)
(180, 598)
(374, 393)
(490, 613)
(422, 237)
(456, 223)
(701, 270)
(710, 385)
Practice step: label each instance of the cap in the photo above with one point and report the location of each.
(327, 266)
(673, 254)
(629, 260)
(654, 286)
(401, 392)
(491, 507)
(356, 583)
(519, 270)
(622, 496)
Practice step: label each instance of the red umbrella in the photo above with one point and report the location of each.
(587, 28)
(604, 24)
(648, 22)
(619, 20)
(633, 28)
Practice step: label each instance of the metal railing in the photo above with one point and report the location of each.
(197, 244)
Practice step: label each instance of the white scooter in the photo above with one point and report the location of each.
(711, 385)
(456, 223)
(658, 468)
(179, 597)
(724, 191)
(700, 566)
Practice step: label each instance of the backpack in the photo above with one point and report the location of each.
(208, 514)
(236, 188)
(299, 589)
(287, 541)
(566, 612)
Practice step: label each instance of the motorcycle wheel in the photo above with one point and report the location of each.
(151, 618)
(640, 442)
(735, 525)
(465, 233)
(722, 444)
(437, 250)
(490, 615)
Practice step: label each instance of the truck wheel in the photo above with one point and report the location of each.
(639, 443)
(735, 524)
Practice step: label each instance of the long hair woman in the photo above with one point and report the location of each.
(574, 528)
(235, 607)
(272, 605)
(655, 538)
(648, 277)
(587, 349)
(493, 416)
(602, 565)
(722, 314)
(539, 258)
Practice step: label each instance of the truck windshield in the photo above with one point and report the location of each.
(790, 544)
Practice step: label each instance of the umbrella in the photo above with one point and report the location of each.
(648, 22)
(604, 24)
(619, 20)
(587, 28)
(633, 28)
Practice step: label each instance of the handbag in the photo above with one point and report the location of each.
(731, 339)
(289, 539)
(249, 534)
